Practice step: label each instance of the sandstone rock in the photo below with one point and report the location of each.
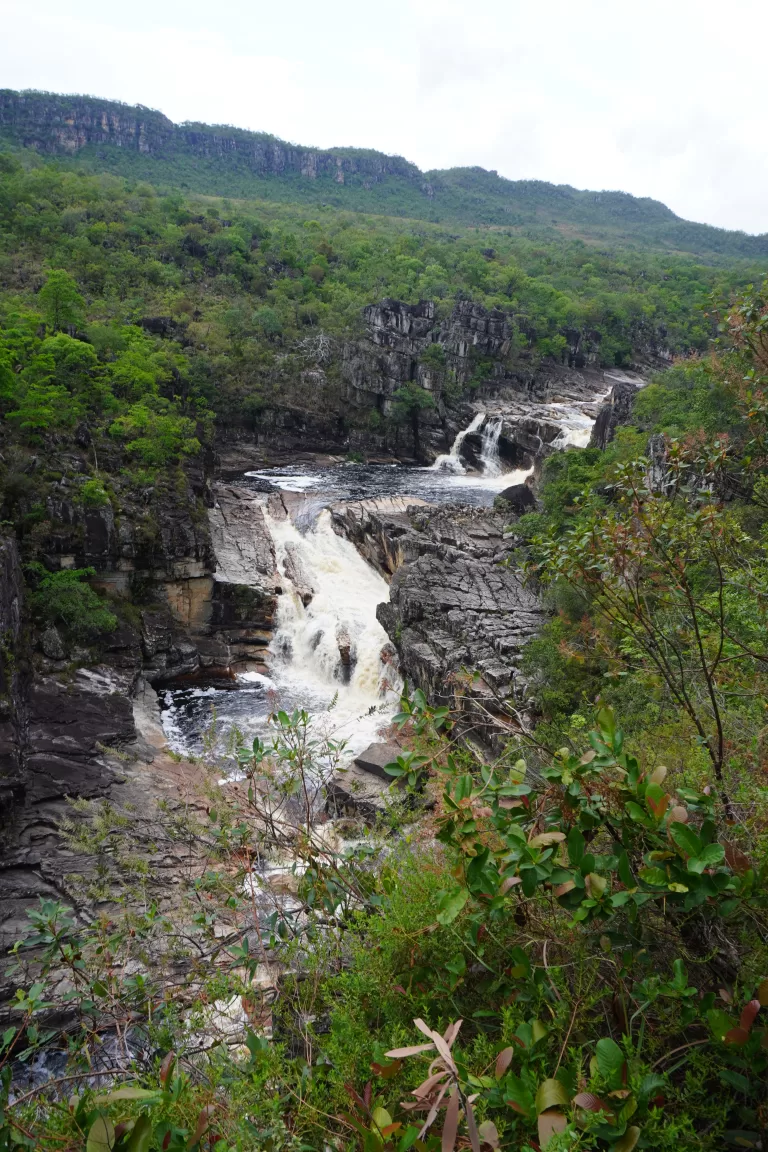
(457, 614)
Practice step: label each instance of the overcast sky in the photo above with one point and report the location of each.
(666, 98)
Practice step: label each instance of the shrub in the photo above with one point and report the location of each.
(65, 600)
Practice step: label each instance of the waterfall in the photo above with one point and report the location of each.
(327, 640)
(451, 461)
(489, 450)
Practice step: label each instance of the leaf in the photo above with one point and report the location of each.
(712, 854)
(141, 1137)
(544, 839)
(538, 1032)
(381, 1118)
(628, 1141)
(451, 1125)
(550, 1094)
(451, 904)
(166, 1067)
(720, 1022)
(413, 1050)
(518, 1096)
(685, 838)
(748, 1014)
(127, 1094)
(656, 877)
(736, 860)
(590, 1103)
(576, 847)
(737, 1036)
(203, 1124)
(735, 1080)
(762, 993)
(503, 1061)
(452, 1030)
(488, 1133)
(387, 1071)
(101, 1137)
(595, 885)
(507, 883)
(678, 814)
(659, 775)
(550, 1123)
(610, 1061)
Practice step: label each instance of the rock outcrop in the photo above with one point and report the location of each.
(66, 124)
(245, 582)
(615, 411)
(459, 613)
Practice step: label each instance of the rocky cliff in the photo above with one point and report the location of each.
(475, 353)
(67, 124)
(458, 610)
(222, 160)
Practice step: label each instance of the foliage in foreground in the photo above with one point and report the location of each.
(577, 961)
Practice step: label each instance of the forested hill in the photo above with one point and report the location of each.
(137, 142)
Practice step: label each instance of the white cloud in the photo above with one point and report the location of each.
(664, 99)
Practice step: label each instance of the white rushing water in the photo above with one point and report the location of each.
(333, 645)
(329, 655)
(451, 461)
(489, 448)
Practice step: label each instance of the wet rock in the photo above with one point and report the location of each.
(52, 644)
(375, 758)
(344, 645)
(11, 696)
(615, 411)
(294, 569)
(518, 498)
(355, 793)
(458, 613)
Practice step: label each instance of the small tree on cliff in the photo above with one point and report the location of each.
(62, 304)
(409, 402)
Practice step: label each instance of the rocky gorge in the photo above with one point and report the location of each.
(199, 566)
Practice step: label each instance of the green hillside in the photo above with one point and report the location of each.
(139, 143)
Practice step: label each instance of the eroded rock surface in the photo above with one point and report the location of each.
(458, 612)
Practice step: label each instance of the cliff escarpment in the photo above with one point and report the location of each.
(223, 160)
(65, 125)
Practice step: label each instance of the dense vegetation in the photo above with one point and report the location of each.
(567, 949)
(221, 307)
(226, 161)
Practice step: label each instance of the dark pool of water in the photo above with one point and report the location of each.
(364, 481)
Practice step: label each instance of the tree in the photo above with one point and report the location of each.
(44, 407)
(62, 304)
(156, 435)
(7, 379)
(65, 600)
(409, 402)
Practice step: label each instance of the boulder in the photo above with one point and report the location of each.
(518, 497)
(52, 645)
(375, 758)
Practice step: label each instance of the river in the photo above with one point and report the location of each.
(352, 700)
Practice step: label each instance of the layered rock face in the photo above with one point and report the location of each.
(10, 686)
(616, 411)
(406, 343)
(75, 727)
(458, 612)
(66, 124)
